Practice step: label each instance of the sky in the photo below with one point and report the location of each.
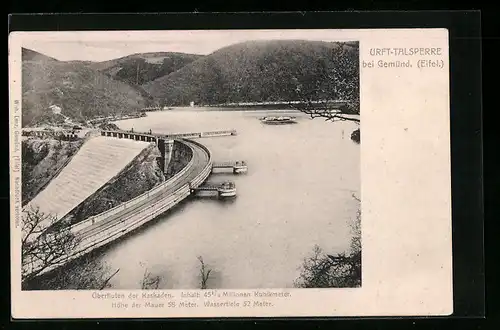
(107, 45)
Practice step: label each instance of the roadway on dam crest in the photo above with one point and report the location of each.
(199, 162)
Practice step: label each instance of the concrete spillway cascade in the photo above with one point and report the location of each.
(98, 161)
(165, 146)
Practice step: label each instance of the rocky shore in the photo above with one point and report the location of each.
(356, 136)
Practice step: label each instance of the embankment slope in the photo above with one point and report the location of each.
(98, 161)
(140, 175)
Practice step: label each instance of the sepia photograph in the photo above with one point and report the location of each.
(222, 173)
(191, 160)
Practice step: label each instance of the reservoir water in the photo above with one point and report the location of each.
(297, 194)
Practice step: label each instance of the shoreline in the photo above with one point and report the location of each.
(207, 109)
(249, 110)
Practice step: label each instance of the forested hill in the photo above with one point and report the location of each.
(79, 90)
(253, 71)
(264, 71)
(141, 68)
(31, 55)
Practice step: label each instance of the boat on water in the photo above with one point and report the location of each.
(271, 120)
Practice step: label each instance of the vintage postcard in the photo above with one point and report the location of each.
(230, 173)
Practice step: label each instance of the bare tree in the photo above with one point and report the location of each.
(105, 284)
(149, 281)
(355, 250)
(204, 273)
(343, 270)
(46, 243)
(333, 92)
(85, 273)
(43, 245)
(329, 110)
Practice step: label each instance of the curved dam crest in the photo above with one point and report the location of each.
(103, 228)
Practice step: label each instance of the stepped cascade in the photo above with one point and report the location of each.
(98, 161)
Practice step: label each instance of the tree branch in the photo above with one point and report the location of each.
(103, 286)
(45, 250)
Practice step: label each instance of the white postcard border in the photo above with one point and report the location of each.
(405, 188)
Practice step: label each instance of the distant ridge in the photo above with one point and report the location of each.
(141, 68)
(252, 71)
(31, 55)
(79, 90)
(260, 71)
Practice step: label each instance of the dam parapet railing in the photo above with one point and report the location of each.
(147, 136)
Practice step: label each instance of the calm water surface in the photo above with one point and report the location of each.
(297, 193)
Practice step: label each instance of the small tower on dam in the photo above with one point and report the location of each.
(166, 147)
